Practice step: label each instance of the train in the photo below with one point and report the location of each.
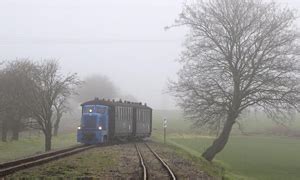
(104, 121)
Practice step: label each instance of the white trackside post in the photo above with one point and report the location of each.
(165, 130)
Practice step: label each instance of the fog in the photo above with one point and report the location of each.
(123, 40)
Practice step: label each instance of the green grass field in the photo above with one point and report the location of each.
(253, 157)
(244, 157)
(28, 146)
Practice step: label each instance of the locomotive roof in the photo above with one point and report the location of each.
(97, 101)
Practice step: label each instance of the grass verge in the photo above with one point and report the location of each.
(213, 169)
(88, 164)
(250, 157)
(29, 146)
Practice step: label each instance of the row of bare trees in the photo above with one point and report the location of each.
(34, 91)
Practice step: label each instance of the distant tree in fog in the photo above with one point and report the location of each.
(15, 80)
(129, 97)
(96, 86)
(239, 54)
(2, 105)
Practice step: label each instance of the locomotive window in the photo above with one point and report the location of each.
(101, 110)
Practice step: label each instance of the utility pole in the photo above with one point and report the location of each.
(165, 130)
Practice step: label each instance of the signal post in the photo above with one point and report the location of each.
(165, 130)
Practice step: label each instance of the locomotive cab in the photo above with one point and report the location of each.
(93, 128)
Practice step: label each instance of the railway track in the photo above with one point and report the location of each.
(13, 166)
(148, 164)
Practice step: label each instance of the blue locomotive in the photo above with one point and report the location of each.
(106, 120)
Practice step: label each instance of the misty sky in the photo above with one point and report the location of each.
(122, 39)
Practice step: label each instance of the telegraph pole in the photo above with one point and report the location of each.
(165, 130)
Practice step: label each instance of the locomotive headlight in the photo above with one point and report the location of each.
(78, 127)
(100, 127)
(90, 110)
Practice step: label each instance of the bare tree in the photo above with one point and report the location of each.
(239, 53)
(60, 107)
(50, 85)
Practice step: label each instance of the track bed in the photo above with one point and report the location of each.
(116, 162)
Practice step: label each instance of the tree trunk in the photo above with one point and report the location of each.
(4, 131)
(220, 142)
(15, 129)
(56, 125)
(48, 138)
(55, 131)
(48, 134)
(15, 134)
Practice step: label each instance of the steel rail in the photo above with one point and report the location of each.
(13, 166)
(36, 157)
(170, 172)
(165, 165)
(142, 162)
